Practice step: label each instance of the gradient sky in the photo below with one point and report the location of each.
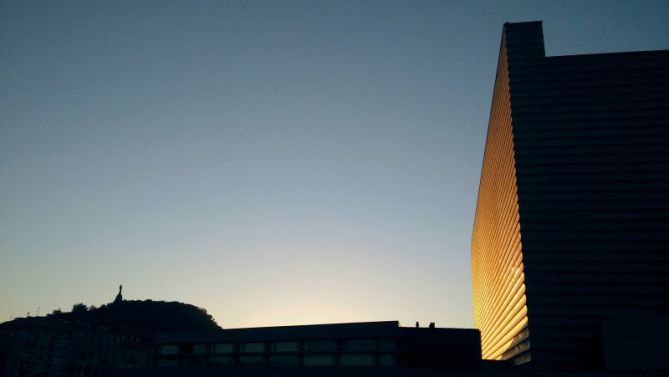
(275, 162)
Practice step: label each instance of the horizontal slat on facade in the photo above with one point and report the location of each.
(580, 114)
(588, 252)
(573, 171)
(561, 261)
(643, 297)
(597, 126)
(498, 281)
(617, 276)
(605, 143)
(594, 313)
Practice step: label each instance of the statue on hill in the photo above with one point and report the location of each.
(119, 296)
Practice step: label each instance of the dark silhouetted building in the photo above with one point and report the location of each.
(342, 349)
(49, 347)
(570, 246)
(367, 344)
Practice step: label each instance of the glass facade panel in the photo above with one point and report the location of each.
(167, 362)
(221, 360)
(223, 348)
(387, 359)
(286, 346)
(359, 345)
(357, 359)
(320, 346)
(387, 344)
(199, 349)
(319, 360)
(168, 350)
(193, 361)
(252, 360)
(250, 347)
(284, 360)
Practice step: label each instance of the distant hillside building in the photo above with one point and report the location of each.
(46, 346)
(570, 246)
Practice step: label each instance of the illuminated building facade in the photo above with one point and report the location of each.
(572, 220)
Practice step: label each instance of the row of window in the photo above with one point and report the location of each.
(359, 359)
(352, 345)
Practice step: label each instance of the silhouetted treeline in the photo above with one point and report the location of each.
(144, 316)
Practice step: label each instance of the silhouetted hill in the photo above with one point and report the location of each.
(144, 316)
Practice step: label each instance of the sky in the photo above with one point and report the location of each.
(274, 162)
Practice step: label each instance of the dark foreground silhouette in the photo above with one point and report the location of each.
(146, 316)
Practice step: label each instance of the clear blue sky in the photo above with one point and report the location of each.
(275, 162)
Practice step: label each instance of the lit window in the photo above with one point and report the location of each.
(319, 360)
(199, 349)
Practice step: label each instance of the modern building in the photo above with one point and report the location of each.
(571, 231)
(341, 349)
(366, 344)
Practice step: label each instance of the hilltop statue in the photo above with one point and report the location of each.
(119, 296)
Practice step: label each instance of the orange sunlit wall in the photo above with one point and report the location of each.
(500, 310)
